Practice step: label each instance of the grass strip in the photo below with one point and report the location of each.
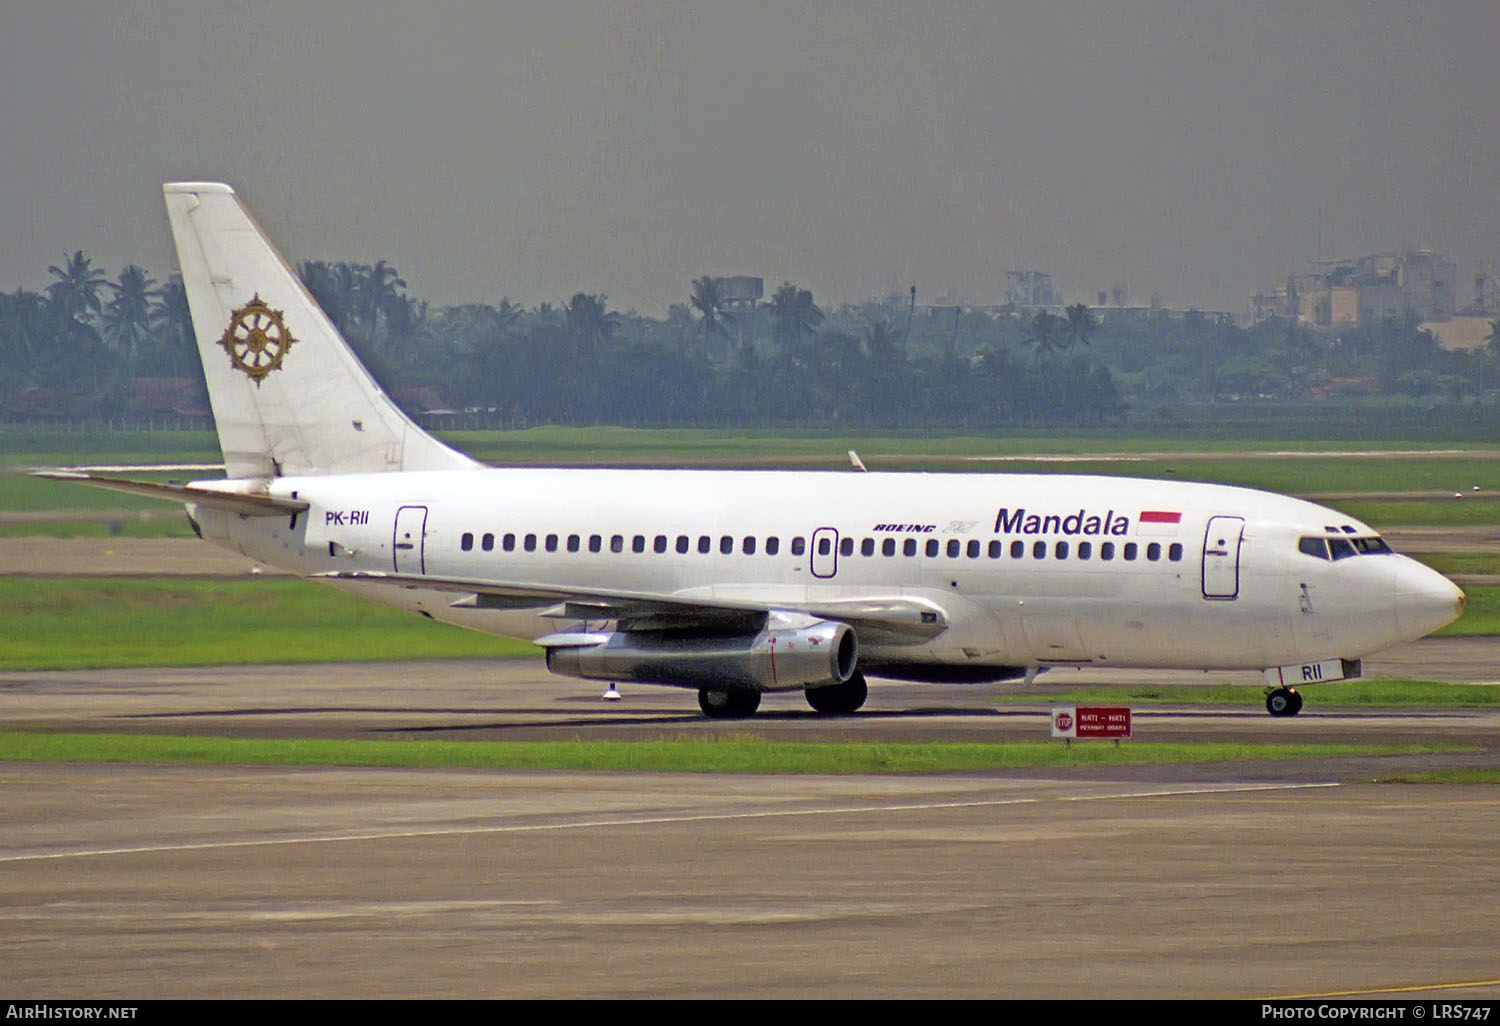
(79, 623)
(1475, 775)
(1385, 692)
(731, 755)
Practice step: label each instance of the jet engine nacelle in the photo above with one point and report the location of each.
(783, 656)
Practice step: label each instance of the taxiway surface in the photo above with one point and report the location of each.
(1232, 880)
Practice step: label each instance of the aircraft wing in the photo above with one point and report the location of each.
(246, 503)
(895, 619)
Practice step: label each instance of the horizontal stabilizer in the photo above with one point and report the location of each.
(244, 503)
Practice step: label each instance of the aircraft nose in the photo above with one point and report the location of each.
(1425, 599)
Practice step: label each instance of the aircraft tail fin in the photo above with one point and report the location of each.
(288, 394)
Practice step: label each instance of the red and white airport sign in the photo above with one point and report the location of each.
(1091, 721)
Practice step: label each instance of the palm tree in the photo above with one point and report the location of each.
(1080, 324)
(333, 291)
(127, 316)
(75, 294)
(794, 316)
(588, 323)
(708, 299)
(380, 299)
(1041, 335)
(172, 324)
(23, 328)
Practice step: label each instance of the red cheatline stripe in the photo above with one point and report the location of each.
(1157, 516)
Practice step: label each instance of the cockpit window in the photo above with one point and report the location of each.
(1341, 547)
(1313, 547)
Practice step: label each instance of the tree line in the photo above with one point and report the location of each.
(786, 361)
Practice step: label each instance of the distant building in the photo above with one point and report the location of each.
(742, 292)
(1025, 289)
(1466, 333)
(1368, 289)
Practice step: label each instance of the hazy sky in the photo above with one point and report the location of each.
(1196, 147)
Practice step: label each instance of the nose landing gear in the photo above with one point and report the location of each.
(1283, 702)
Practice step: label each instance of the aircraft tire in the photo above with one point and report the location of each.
(839, 699)
(728, 704)
(1283, 702)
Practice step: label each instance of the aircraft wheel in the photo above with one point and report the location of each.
(1283, 702)
(719, 704)
(839, 699)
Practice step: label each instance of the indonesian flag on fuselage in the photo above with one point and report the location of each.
(1158, 521)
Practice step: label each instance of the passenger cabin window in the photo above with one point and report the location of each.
(954, 546)
(1130, 550)
(972, 548)
(683, 543)
(487, 543)
(659, 543)
(466, 541)
(1106, 551)
(638, 543)
(909, 547)
(1017, 549)
(726, 546)
(888, 546)
(932, 547)
(1153, 551)
(572, 543)
(529, 543)
(1175, 552)
(617, 543)
(551, 543)
(1039, 550)
(1085, 550)
(867, 547)
(704, 543)
(773, 546)
(799, 546)
(508, 543)
(747, 545)
(595, 543)
(846, 547)
(1060, 550)
(997, 549)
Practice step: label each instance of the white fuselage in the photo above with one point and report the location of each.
(1029, 570)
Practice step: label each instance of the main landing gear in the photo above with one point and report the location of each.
(1283, 702)
(728, 704)
(839, 699)
(738, 703)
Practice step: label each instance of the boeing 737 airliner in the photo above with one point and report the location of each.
(738, 583)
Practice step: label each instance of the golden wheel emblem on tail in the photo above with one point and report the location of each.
(256, 339)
